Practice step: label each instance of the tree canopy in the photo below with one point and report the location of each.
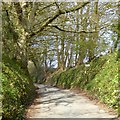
(57, 34)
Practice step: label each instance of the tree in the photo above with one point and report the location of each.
(65, 33)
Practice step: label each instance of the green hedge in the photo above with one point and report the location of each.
(105, 83)
(17, 89)
(100, 79)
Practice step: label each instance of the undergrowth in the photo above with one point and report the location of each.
(17, 90)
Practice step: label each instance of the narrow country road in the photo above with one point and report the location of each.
(56, 103)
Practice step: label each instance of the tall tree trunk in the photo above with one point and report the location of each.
(70, 57)
(62, 50)
(58, 53)
(45, 59)
(94, 37)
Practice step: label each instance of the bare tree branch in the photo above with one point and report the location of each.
(83, 31)
(58, 6)
(46, 6)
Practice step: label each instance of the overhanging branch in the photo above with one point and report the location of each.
(74, 8)
(63, 30)
(45, 24)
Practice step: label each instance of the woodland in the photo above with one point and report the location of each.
(64, 44)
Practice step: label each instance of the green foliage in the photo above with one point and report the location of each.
(17, 90)
(105, 83)
(100, 79)
(79, 75)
